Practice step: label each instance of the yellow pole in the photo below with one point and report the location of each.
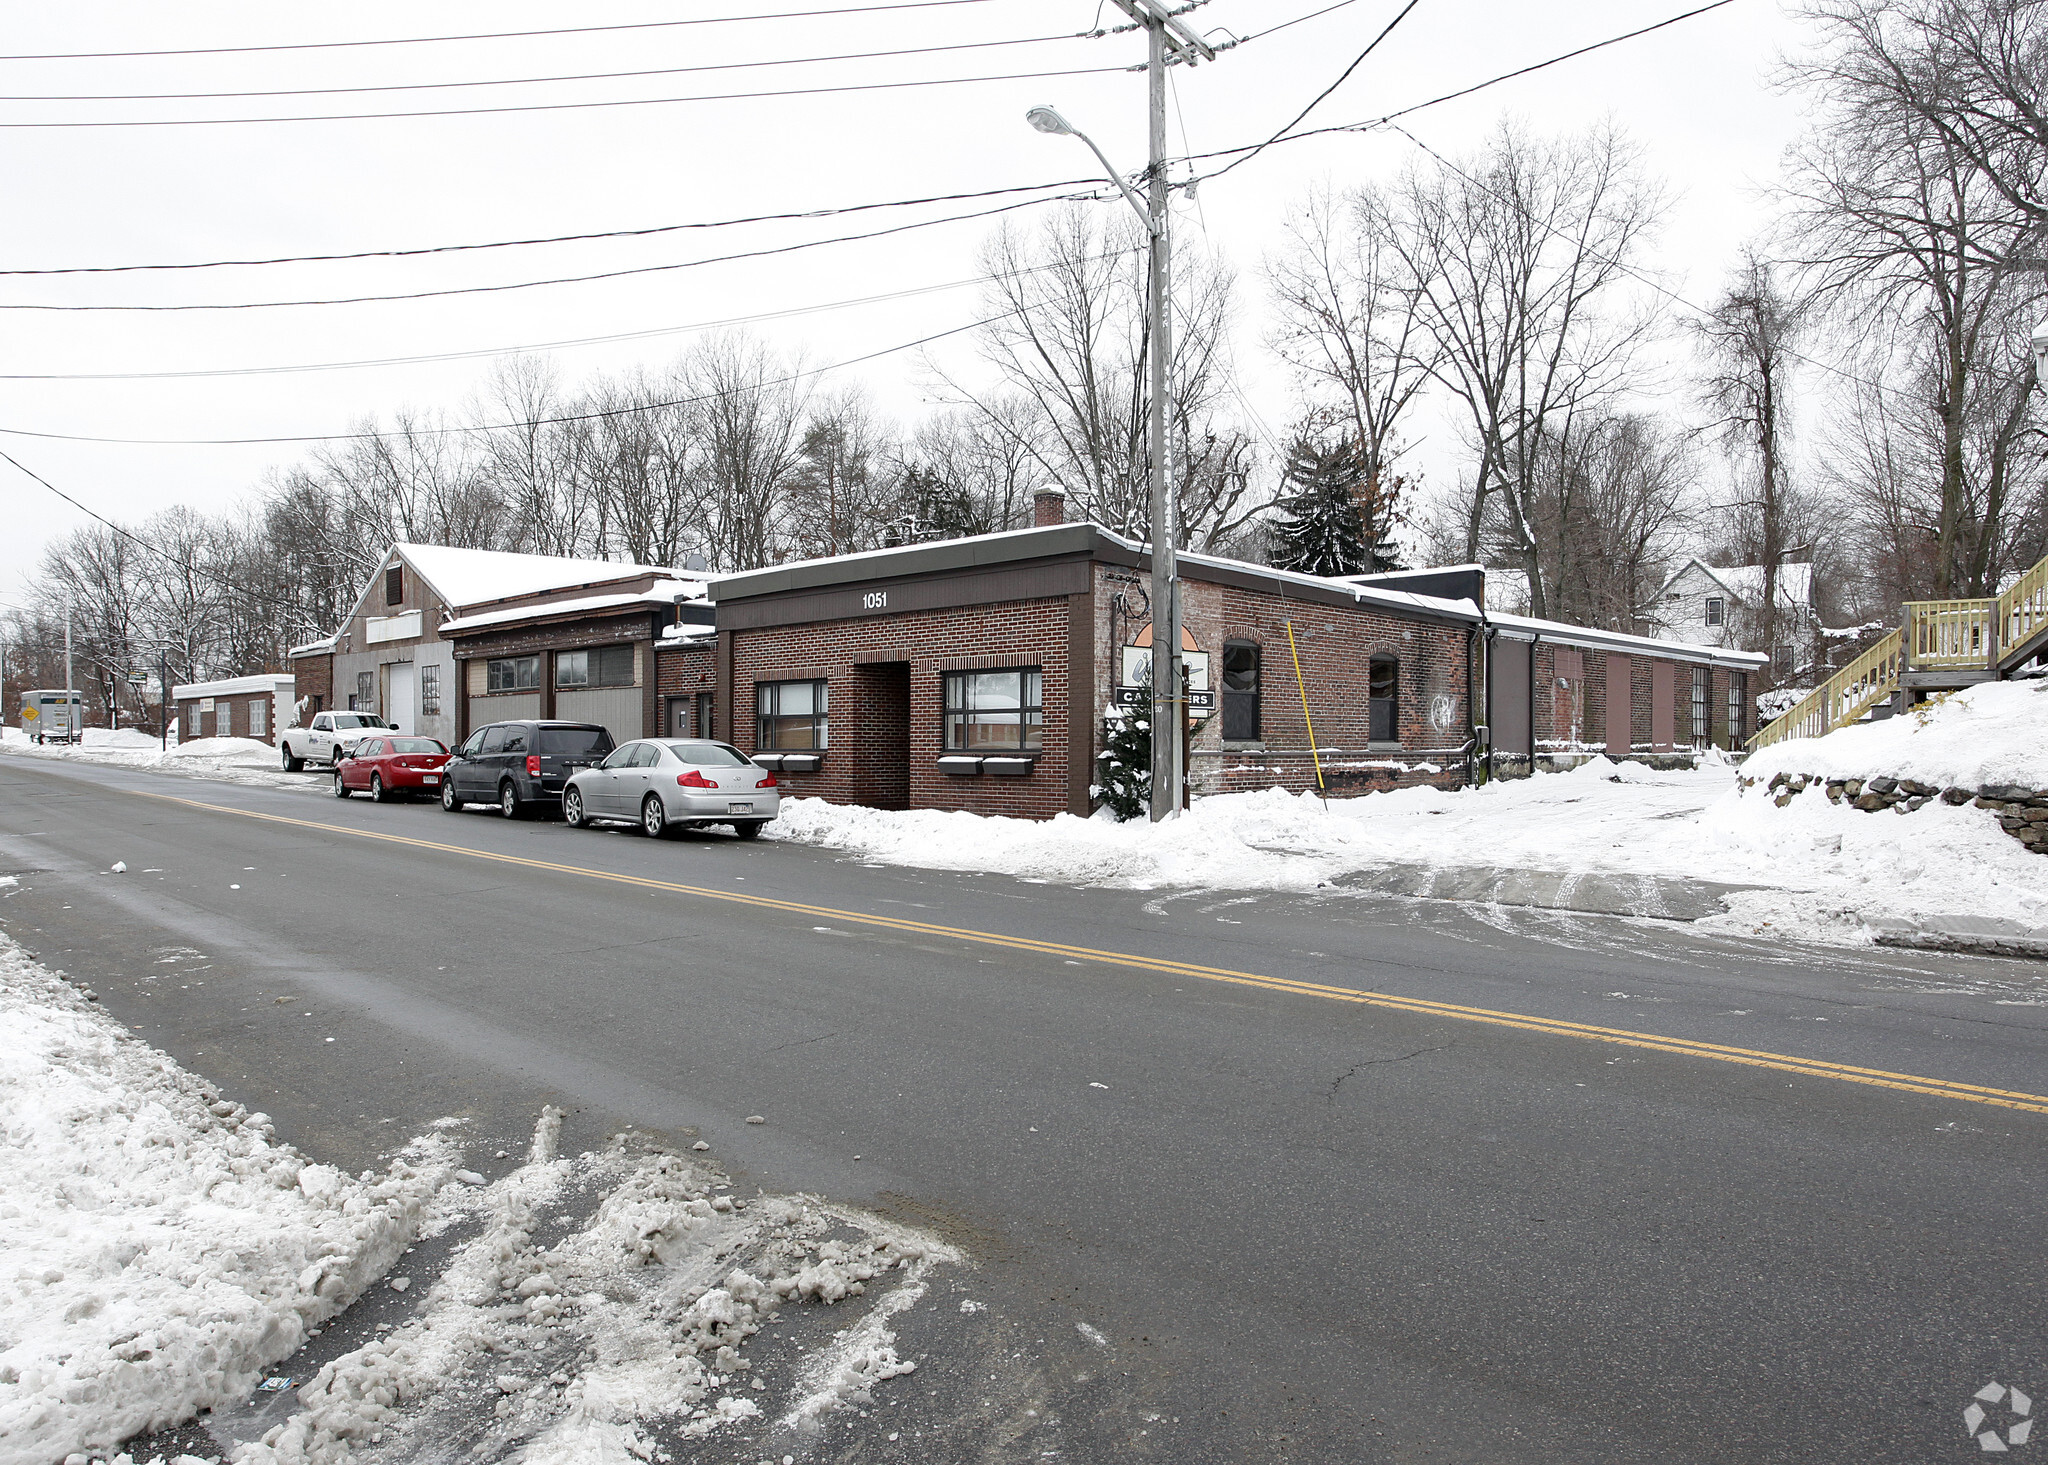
(1303, 687)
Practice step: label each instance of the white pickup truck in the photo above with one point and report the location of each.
(331, 738)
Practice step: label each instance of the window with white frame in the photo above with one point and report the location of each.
(792, 716)
(1717, 610)
(259, 718)
(995, 711)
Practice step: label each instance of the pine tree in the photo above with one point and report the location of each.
(1124, 773)
(1337, 519)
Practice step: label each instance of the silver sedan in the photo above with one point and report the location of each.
(666, 783)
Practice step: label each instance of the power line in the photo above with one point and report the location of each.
(1625, 268)
(1357, 62)
(334, 437)
(1312, 15)
(1376, 122)
(431, 86)
(295, 259)
(563, 279)
(821, 91)
(581, 30)
(187, 566)
(484, 352)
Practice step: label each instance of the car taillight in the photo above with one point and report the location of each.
(767, 780)
(533, 765)
(694, 779)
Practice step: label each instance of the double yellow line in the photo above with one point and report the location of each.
(1654, 1042)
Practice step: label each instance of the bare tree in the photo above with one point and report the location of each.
(1068, 342)
(1910, 239)
(846, 486)
(1749, 342)
(529, 457)
(747, 416)
(1350, 323)
(980, 455)
(1517, 258)
(1613, 510)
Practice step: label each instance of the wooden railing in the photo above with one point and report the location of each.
(2022, 610)
(1842, 698)
(1944, 635)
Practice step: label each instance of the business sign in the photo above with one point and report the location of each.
(1137, 668)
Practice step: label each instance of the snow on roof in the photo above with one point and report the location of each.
(313, 648)
(465, 577)
(660, 593)
(235, 686)
(1746, 582)
(1591, 636)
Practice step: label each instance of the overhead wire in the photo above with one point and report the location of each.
(431, 86)
(528, 107)
(640, 233)
(466, 428)
(1320, 96)
(1506, 76)
(579, 30)
(762, 253)
(485, 352)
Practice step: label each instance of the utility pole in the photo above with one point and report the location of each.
(71, 716)
(1167, 40)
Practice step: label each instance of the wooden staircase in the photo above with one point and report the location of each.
(1940, 645)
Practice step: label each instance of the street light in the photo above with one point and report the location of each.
(1168, 669)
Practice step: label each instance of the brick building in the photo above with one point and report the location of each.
(240, 707)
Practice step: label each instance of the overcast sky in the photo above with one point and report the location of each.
(1696, 96)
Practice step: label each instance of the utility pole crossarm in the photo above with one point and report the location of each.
(1185, 44)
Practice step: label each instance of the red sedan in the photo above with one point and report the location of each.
(391, 768)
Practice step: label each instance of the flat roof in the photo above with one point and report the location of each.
(662, 594)
(1528, 628)
(268, 681)
(1060, 541)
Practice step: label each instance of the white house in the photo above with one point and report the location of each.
(1715, 605)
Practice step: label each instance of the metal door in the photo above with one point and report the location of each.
(1620, 707)
(1661, 692)
(402, 696)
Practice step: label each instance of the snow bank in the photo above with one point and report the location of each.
(1825, 872)
(227, 750)
(120, 737)
(161, 1250)
(566, 1353)
(1992, 733)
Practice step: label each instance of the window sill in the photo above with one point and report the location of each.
(1383, 747)
(998, 765)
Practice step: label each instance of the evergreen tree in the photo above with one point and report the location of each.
(1124, 772)
(1337, 518)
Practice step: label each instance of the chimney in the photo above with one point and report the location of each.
(1048, 506)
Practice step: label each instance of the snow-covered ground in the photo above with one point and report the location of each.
(223, 760)
(162, 1253)
(1827, 871)
(1986, 735)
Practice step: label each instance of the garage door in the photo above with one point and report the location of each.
(619, 709)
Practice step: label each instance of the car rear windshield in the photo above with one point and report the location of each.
(416, 745)
(709, 755)
(575, 742)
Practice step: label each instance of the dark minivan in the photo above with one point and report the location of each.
(521, 765)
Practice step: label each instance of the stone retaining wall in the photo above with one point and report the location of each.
(2022, 812)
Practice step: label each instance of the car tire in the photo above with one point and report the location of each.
(751, 830)
(291, 764)
(508, 800)
(572, 809)
(340, 788)
(449, 803)
(653, 817)
(378, 793)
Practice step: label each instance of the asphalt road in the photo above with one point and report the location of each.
(1309, 1224)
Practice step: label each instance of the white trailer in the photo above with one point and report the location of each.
(49, 717)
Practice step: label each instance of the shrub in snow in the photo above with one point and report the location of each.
(1124, 766)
